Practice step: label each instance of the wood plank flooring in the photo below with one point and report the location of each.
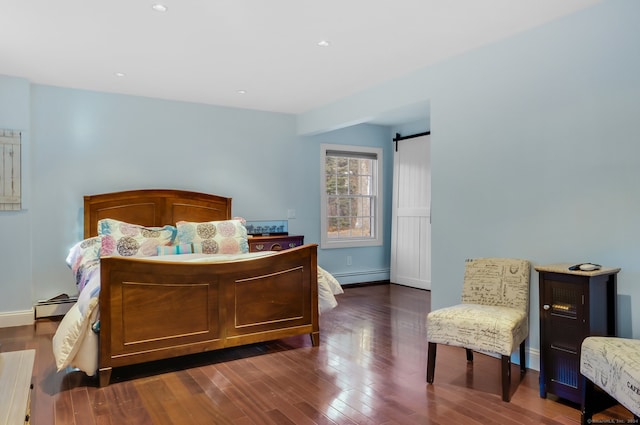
(369, 369)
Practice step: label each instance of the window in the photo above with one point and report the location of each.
(351, 193)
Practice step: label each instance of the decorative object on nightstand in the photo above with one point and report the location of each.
(267, 227)
(16, 370)
(574, 304)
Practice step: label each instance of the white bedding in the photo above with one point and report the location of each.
(75, 342)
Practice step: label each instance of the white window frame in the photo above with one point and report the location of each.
(351, 242)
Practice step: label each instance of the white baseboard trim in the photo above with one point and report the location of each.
(16, 318)
(533, 358)
(347, 278)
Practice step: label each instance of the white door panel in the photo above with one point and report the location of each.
(411, 212)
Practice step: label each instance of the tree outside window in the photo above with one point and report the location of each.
(350, 202)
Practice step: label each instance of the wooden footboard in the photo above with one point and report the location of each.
(151, 310)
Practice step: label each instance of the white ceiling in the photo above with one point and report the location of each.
(205, 51)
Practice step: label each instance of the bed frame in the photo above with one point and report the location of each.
(152, 310)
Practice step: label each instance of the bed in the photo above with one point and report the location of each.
(135, 309)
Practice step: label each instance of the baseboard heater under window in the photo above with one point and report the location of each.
(56, 306)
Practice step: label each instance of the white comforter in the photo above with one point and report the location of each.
(75, 342)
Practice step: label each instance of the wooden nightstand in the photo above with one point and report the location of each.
(274, 243)
(16, 370)
(573, 306)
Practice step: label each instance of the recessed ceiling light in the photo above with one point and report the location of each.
(159, 7)
(323, 43)
(120, 74)
(241, 92)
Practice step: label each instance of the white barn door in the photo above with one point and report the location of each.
(411, 213)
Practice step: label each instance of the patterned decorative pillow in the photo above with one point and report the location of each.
(132, 240)
(84, 252)
(215, 237)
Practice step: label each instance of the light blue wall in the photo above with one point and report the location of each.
(87, 143)
(15, 226)
(535, 153)
(370, 263)
(535, 147)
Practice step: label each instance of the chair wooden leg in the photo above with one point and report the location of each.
(588, 396)
(431, 361)
(469, 354)
(506, 378)
(523, 360)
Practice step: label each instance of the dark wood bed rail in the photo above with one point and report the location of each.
(153, 309)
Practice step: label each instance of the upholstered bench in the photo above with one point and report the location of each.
(613, 364)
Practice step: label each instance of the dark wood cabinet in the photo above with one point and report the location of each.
(573, 305)
(274, 243)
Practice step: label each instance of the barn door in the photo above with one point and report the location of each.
(411, 213)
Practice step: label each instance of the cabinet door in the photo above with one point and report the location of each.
(563, 329)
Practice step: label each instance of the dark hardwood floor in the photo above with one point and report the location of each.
(369, 369)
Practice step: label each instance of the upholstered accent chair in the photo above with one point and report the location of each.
(613, 364)
(492, 318)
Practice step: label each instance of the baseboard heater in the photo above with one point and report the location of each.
(56, 306)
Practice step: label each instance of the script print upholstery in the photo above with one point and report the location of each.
(613, 364)
(494, 312)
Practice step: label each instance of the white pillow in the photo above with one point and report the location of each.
(71, 332)
(86, 359)
(328, 286)
(327, 278)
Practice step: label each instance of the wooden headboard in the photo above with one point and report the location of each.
(153, 207)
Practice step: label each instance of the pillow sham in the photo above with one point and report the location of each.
(84, 252)
(132, 240)
(215, 237)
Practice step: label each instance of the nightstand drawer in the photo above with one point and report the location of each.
(274, 243)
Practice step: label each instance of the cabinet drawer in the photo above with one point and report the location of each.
(274, 243)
